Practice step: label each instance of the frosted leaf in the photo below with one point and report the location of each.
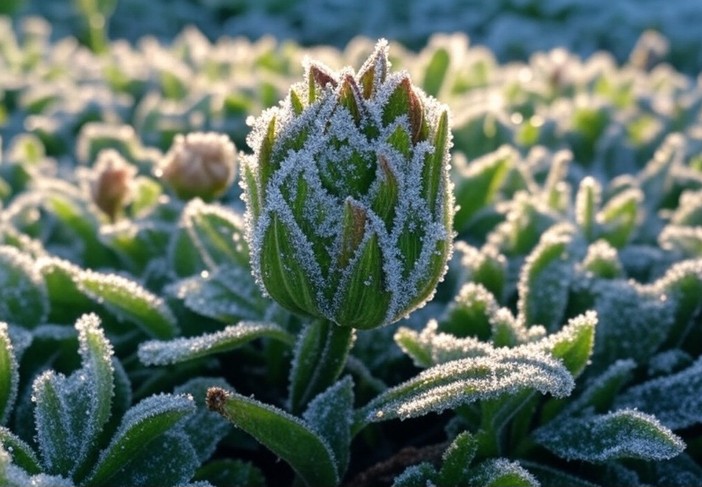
(330, 415)
(470, 313)
(668, 362)
(129, 301)
(602, 261)
(9, 374)
(681, 471)
(227, 294)
(480, 182)
(143, 423)
(123, 298)
(600, 393)
(19, 452)
(61, 278)
(621, 434)
(448, 385)
(587, 203)
(420, 475)
(70, 412)
(216, 232)
(307, 453)
(486, 266)
(500, 471)
(573, 344)
(682, 239)
(431, 347)
(182, 349)
(634, 321)
(13, 476)
(545, 279)
(689, 210)
(23, 296)
(676, 400)
(169, 460)
(137, 243)
(620, 216)
(551, 477)
(457, 459)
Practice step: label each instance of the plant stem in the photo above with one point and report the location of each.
(320, 356)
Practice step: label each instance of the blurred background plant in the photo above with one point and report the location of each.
(563, 347)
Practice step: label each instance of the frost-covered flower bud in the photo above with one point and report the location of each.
(349, 204)
(111, 182)
(199, 164)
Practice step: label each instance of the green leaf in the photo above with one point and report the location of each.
(545, 280)
(601, 392)
(23, 296)
(9, 374)
(622, 434)
(155, 352)
(587, 203)
(20, 452)
(63, 292)
(232, 473)
(363, 295)
(430, 347)
(170, 460)
(420, 475)
(470, 313)
(551, 477)
(330, 415)
(318, 359)
(500, 472)
(479, 183)
(620, 216)
(141, 425)
(675, 400)
(456, 461)
(573, 345)
(74, 214)
(71, 412)
(448, 385)
(434, 170)
(284, 277)
(303, 449)
(435, 71)
(128, 301)
(53, 418)
(216, 232)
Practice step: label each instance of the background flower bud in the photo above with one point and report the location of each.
(111, 182)
(349, 204)
(199, 164)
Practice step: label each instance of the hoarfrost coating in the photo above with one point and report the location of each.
(349, 205)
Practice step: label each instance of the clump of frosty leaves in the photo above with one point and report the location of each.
(86, 431)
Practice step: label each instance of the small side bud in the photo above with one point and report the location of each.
(111, 182)
(199, 165)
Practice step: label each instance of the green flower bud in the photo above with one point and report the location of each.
(199, 165)
(349, 204)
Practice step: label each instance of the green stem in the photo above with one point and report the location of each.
(320, 356)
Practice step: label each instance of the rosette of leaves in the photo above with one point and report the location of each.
(88, 433)
(349, 205)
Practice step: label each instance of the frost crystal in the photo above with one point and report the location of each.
(349, 205)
